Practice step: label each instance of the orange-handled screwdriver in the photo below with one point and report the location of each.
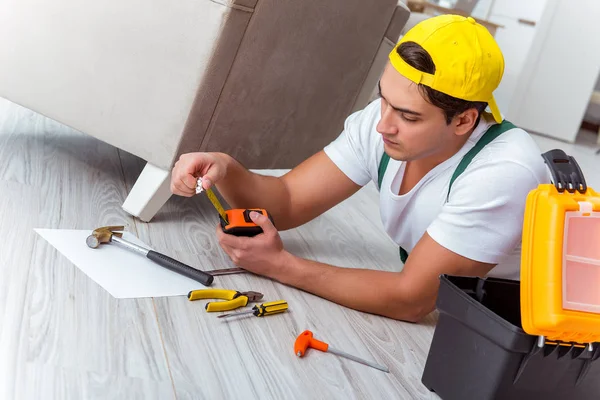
(306, 340)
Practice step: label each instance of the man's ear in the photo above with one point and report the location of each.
(465, 121)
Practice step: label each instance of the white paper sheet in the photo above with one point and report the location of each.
(121, 272)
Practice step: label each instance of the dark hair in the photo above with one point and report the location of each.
(417, 57)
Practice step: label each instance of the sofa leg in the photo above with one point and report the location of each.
(149, 193)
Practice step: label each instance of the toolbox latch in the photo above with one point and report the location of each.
(566, 173)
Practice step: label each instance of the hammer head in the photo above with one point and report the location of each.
(103, 235)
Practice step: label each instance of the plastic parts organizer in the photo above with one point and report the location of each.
(560, 262)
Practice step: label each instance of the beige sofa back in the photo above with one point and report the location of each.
(124, 71)
(268, 81)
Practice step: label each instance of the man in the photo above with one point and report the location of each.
(410, 142)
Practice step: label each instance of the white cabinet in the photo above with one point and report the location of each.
(514, 39)
(560, 71)
(519, 19)
(526, 9)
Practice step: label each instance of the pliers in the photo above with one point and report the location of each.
(234, 298)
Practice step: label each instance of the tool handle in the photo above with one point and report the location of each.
(180, 268)
(306, 340)
(224, 294)
(238, 302)
(272, 307)
(318, 345)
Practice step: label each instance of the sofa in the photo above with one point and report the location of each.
(268, 81)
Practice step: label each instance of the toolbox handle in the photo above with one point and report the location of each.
(566, 173)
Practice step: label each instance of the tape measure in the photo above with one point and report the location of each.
(235, 221)
(217, 204)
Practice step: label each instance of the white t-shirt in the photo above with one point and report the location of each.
(483, 217)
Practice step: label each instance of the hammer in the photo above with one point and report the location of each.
(110, 234)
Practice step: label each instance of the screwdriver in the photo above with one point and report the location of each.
(272, 307)
(305, 340)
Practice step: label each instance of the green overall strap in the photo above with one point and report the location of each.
(491, 134)
(487, 137)
(385, 159)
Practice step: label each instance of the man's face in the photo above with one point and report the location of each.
(411, 127)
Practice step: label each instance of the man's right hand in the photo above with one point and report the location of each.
(211, 167)
(293, 199)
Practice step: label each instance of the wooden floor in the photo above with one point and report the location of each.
(63, 337)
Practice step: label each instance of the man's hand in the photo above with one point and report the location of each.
(212, 167)
(293, 199)
(262, 254)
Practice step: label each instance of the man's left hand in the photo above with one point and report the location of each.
(262, 254)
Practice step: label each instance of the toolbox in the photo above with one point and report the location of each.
(537, 338)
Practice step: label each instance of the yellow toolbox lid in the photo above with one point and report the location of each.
(560, 258)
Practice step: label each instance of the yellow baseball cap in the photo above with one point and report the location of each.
(468, 62)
